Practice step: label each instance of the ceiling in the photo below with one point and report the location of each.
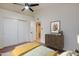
(16, 8)
(45, 6)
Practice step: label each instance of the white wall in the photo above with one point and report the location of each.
(68, 14)
(14, 28)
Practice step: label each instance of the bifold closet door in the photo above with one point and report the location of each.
(1, 33)
(13, 32)
(32, 31)
(22, 32)
(9, 32)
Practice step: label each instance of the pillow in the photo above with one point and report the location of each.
(19, 50)
(53, 53)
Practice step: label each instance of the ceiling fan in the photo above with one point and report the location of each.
(28, 6)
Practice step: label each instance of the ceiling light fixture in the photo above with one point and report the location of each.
(26, 7)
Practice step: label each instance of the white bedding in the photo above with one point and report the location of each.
(39, 51)
(69, 53)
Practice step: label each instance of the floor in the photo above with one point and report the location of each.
(6, 49)
(9, 48)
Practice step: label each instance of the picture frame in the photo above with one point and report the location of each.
(55, 26)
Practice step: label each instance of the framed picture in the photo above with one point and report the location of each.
(55, 26)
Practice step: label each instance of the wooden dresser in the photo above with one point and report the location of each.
(54, 41)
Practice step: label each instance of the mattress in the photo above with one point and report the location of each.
(39, 51)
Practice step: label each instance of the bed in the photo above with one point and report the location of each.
(32, 49)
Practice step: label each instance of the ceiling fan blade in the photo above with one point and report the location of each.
(18, 4)
(34, 4)
(23, 9)
(31, 9)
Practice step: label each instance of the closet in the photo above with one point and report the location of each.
(13, 31)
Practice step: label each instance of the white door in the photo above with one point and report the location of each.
(22, 31)
(32, 30)
(10, 32)
(1, 33)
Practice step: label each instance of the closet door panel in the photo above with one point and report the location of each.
(32, 30)
(1, 33)
(26, 31)
(10, 32)
(22, 31)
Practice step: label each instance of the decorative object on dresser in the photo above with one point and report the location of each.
(55, 40)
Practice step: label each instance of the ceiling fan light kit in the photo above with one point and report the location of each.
(28, 6)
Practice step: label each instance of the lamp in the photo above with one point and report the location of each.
(78, 39)
(77, 50)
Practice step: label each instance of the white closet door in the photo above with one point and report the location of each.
(26, 31)
(1, 33)
(22, 31)
(10, 32)
(32, 30)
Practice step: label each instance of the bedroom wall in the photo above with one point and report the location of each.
(68, 14)
(14, 28)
